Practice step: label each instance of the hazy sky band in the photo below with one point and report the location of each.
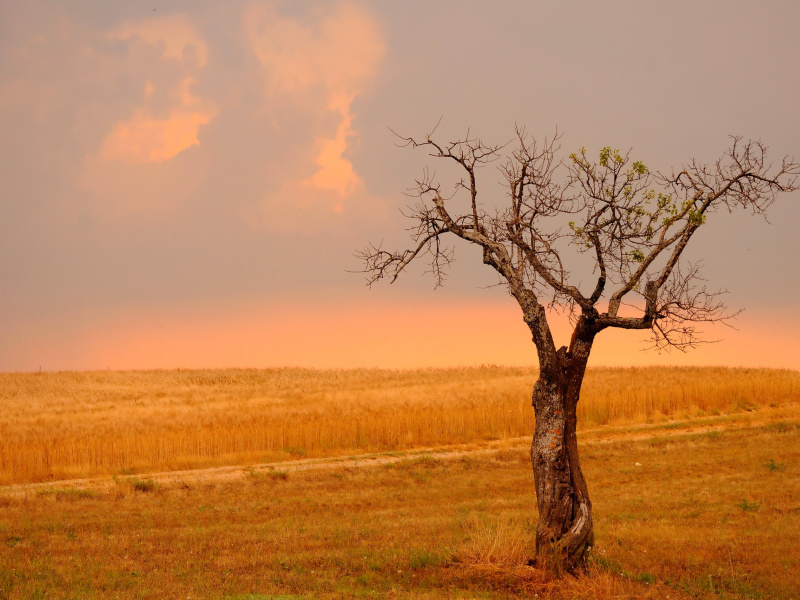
(198, 158)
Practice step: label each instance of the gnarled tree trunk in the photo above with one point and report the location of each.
(565, 529)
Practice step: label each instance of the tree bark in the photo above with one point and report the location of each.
(565, 529)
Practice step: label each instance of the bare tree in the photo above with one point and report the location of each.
(634, 225)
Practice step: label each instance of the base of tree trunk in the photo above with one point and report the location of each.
(565, 529)
(563, 556)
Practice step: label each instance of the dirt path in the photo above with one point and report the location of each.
(589, 437)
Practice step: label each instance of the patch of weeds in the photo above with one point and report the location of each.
(425, 558)
(67, 494)
(144, 485)
(366, 586)
(141, 485)
(659, 442)
(713, 435)
(734, 585)
(13, 541)
(647, 578)
(279, 475)
(612, 566)
(296, 452)
(419, 469)
(781, 427)
(748, 506)
(429, 462)
(391, 453)
(468, 463)
(775, 466)
(509, 455)
(420, 477)
(285, 563)
(606, 564)
(742, 405)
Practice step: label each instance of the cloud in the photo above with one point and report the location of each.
(310, 67)
(126, 174)
(145, 138)
(336, 172)
(339, 50)
(321, 64)
(174, 34)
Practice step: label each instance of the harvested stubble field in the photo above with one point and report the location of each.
(704, 507)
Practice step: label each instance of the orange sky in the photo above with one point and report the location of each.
(187, 186)
(381, 333)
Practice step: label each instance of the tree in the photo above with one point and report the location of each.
(631, 223)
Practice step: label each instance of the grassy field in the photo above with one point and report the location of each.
(65, 425)
(704, 508)
(694, 475)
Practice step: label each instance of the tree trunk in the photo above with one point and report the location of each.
(565, 529)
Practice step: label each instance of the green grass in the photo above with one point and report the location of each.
(748, 506)
(775, 467)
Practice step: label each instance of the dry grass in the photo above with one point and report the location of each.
(498, 541)
(703, 515)
(66, 425)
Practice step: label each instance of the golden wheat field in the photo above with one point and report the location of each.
(69, 425)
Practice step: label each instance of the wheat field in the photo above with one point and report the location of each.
(65, 425)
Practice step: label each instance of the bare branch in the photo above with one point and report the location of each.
(682, 304)
(636, 224)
